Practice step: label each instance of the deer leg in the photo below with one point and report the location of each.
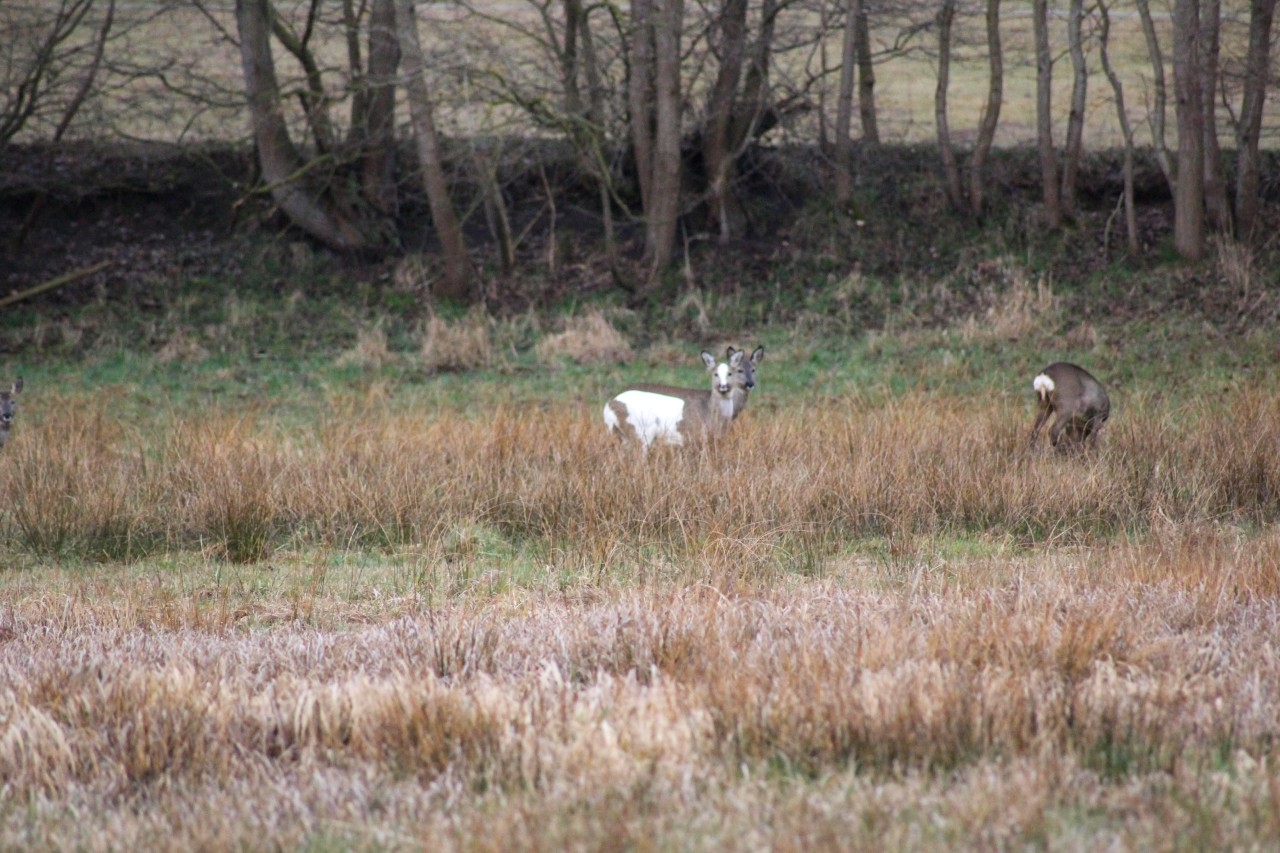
(1060, 423)
(1041, 417)
(1091, 428)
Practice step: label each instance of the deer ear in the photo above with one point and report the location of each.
(729, 352)
(758, 355)
(17, 385)
(736, 358)
(709, 360)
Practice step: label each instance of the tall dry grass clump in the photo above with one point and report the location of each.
(227, 479)
(462, 344)
(586, 339)
(1016, 306)
(369, 350)
(779, 490)
(80, 488)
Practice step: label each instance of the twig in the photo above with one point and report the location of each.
(66, 278)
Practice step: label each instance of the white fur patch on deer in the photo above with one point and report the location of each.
(666, 414)
(1075, 399)
(8, 409)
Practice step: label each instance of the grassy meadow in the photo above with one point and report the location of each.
(280, 578)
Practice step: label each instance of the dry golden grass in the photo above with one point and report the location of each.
(845, 627)
(369, 350)
(586, 339)
(464, 344)
(77, 482)
(1016, 307)
(1064, 699)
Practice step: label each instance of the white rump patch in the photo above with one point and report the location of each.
(1043, 385)
(654, 417)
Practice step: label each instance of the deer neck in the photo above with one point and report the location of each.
(723, 405)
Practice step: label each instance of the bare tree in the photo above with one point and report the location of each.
(1044, 116)
(950, 168)
(640, 94)
(41, 58)
(654, 97)
(592, 133)
(313, 96)
(990, 110)
(1217, 207)
(308, 206)
(737, 103)
(90, 75)
(457, 266)
(844, 109)
(1104, 42)
(374, 123)
(718, 150)
(1074, 148)
(1155, 54)
(664, 210)
(866, 73)
(754, 102)
(1249, 127)
(25, 98)
(1188, 199)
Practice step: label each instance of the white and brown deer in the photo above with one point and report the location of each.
(1077, 399)
(7, 409)
(667, 414)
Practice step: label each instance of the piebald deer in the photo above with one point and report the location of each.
(667, 414)
(743, 378)
(1076, 398)
(7, 407)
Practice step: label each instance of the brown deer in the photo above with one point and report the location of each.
(7, 408)
(1076, 398)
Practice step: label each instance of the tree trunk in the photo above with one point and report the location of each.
(457, 266)
(379, 135)
(844, 110)
(1044, 118)
(314, 98)
(866, 75)
(281, 164)
(717, 151)
(950, 169)
(1256, 72)
(1130, 215)
(747, 112)
(1188, 199)
(640, 95)
(569, 57)
(1160, 96)
(1215, 183)
(596, 118)
(663, 212)
(990, 111)
(355, 62)
(755, 84)
(1075, 121)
